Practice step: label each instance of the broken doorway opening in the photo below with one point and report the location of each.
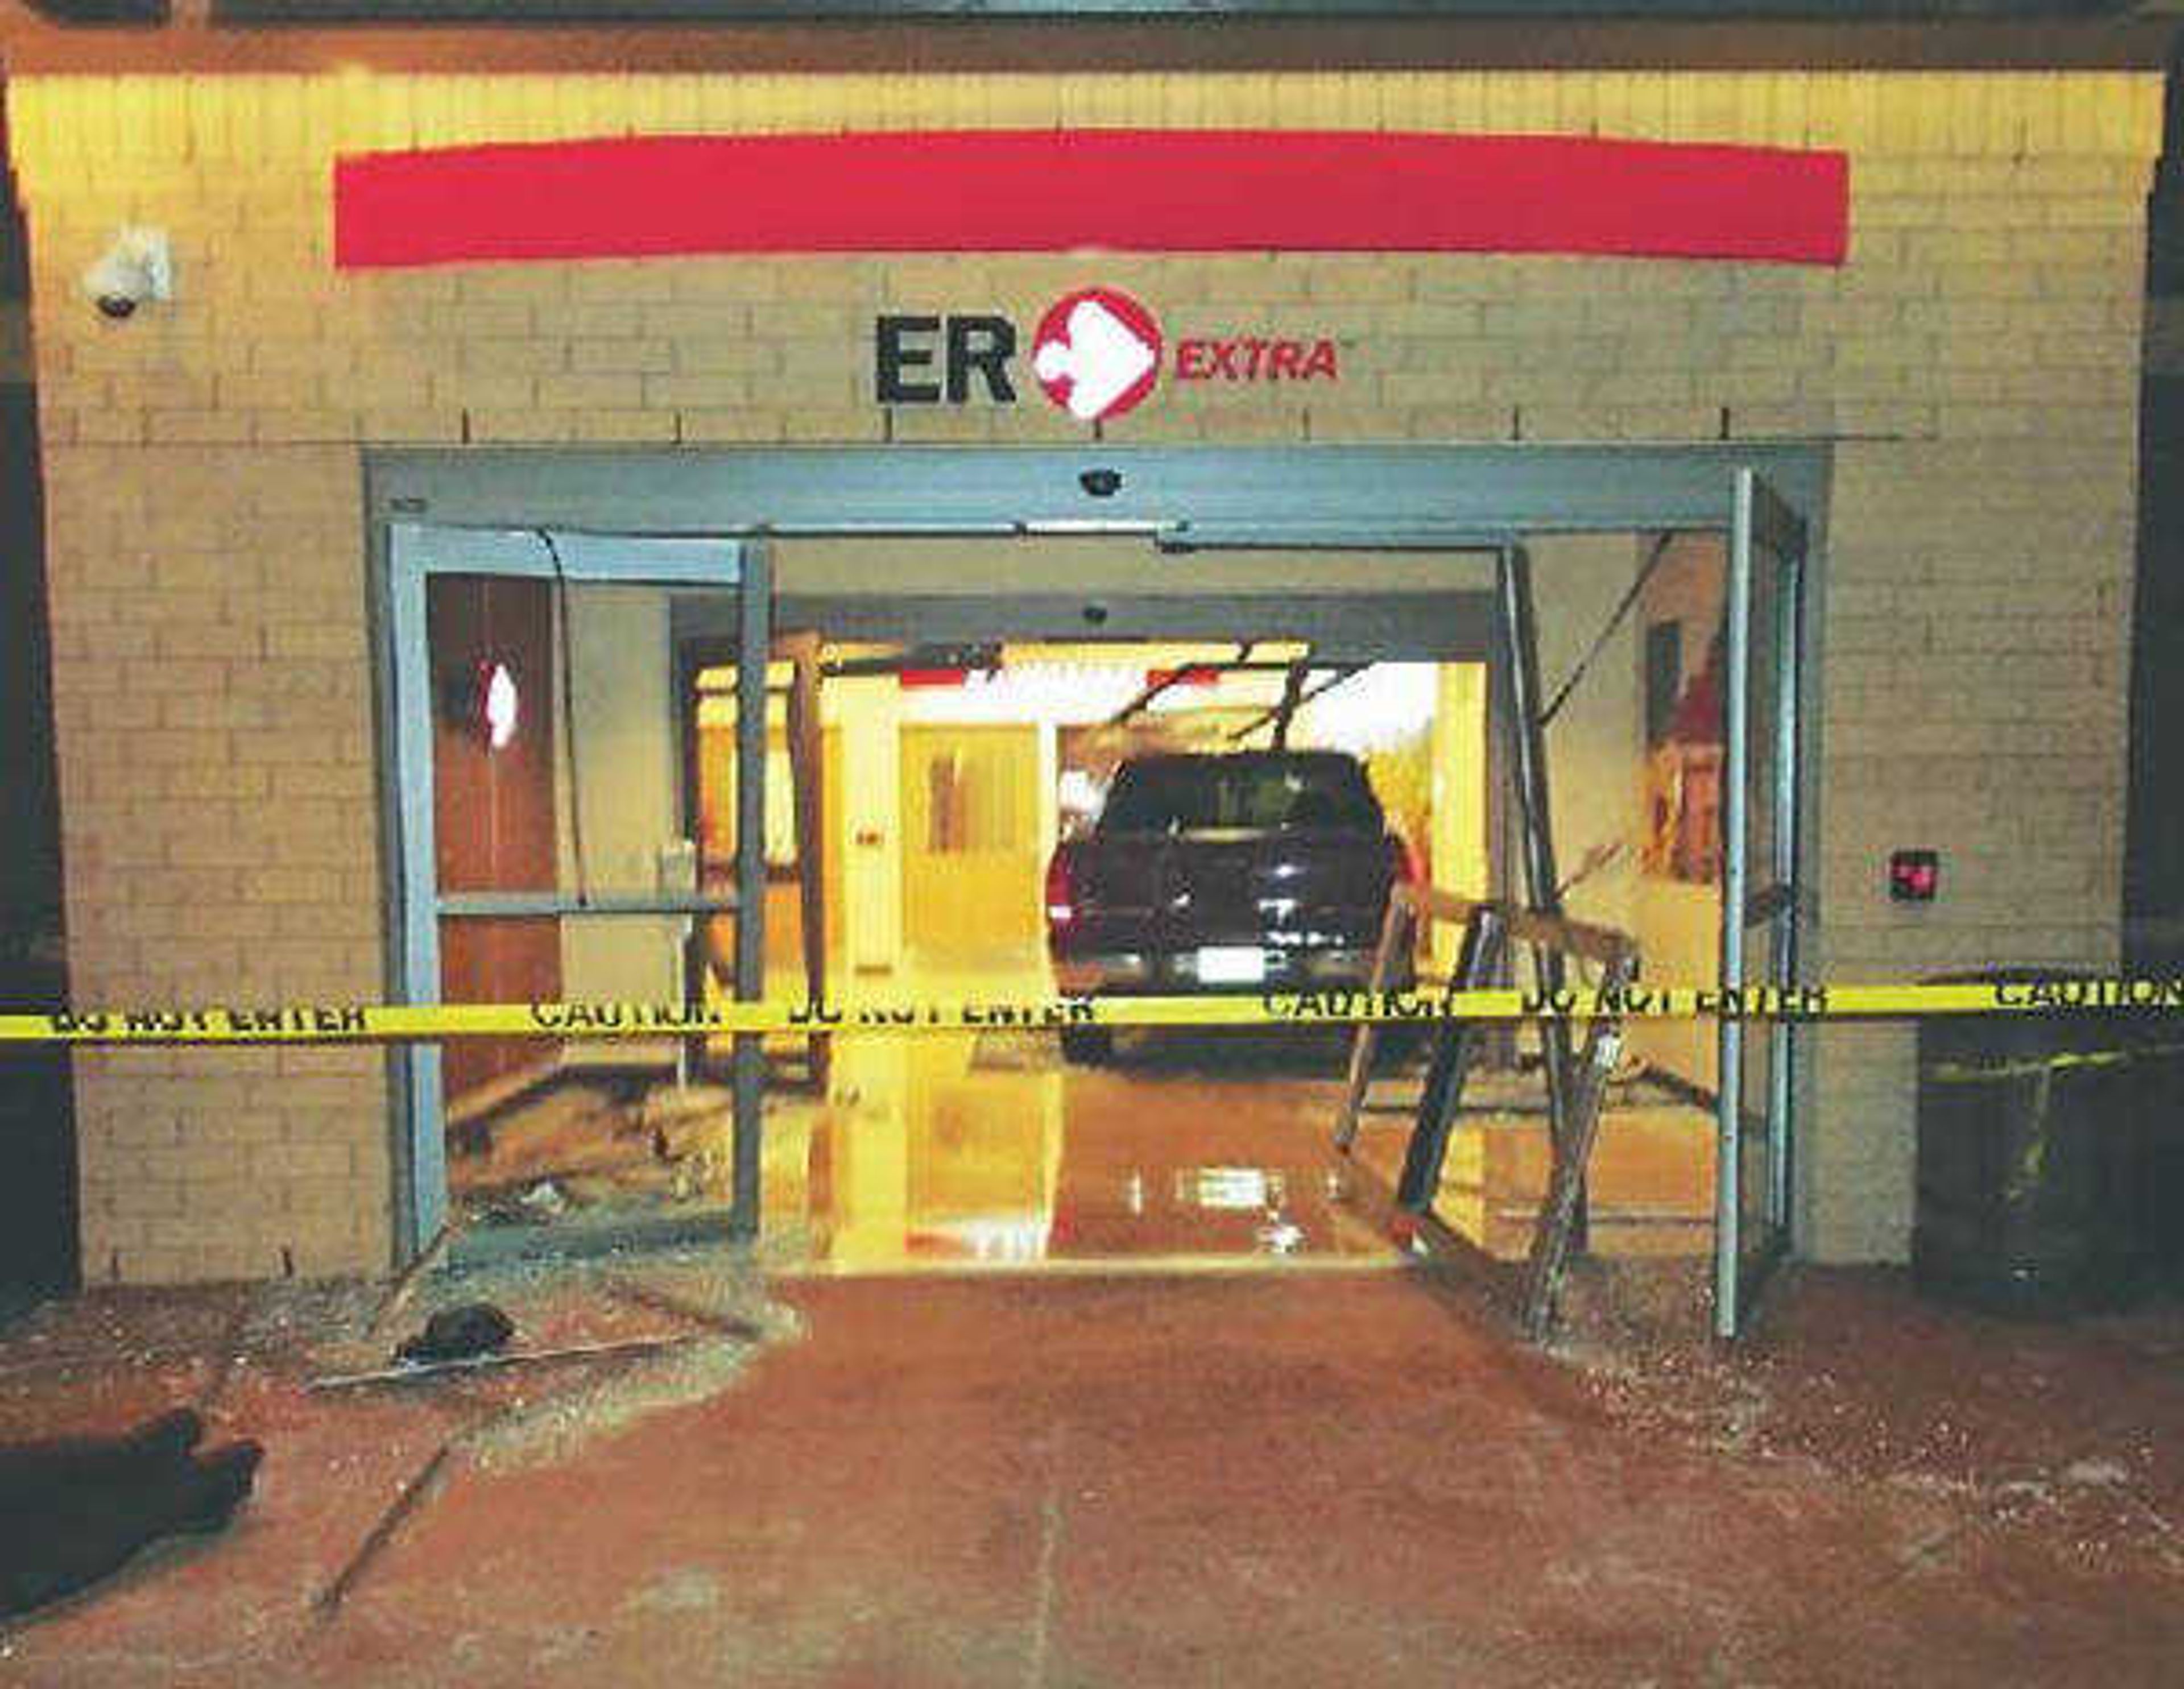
(966, 734)
(1312, 513)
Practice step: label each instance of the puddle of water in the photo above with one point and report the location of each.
(928, 1156)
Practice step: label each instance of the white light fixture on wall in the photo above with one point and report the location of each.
(483, 700)
(500, 705)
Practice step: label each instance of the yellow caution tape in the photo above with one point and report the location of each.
(2038, 1067)
(425, 1023)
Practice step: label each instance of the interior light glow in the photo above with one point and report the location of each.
(1381, 707)
(1231, 1188)
(1077, 690)
(990, 1237)
(1063, 693)
(1080, 792)
(500, 705)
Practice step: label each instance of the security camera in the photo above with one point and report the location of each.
(137, 267)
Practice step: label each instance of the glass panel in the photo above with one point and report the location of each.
(494, 733)
(545, 1131)
(558, 774)
(532, 768)
(1298, 789)
(1761, 903)
(1758, 1232)
(1788, 875)
(554, 743)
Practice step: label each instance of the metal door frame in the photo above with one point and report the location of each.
(1765, 531)
(1181, 499)
(414, 554)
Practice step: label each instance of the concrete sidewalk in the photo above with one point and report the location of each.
(1286, 1480)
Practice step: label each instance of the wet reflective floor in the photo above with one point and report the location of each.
(1197, 1149)
(991, 1151)
(1190, 1148)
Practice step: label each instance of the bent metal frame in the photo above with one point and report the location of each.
(700, 521)
(1575, 1096)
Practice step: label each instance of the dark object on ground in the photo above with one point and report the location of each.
(459, 1334)
(77, 1509)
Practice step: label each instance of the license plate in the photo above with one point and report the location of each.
(1231, 965)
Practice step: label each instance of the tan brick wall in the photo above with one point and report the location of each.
(1978, 357)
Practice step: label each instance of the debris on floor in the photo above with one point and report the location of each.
(459, 1333)
(595, 1146)
(546, 1197)
(509, 1366)
(604, 1342)
(575, 1309)
(1884, 1492)
(414, 1372)
(2020, 1427)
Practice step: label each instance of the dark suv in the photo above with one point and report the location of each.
(1258, 871)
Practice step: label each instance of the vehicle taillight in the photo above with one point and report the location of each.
(1060, 889)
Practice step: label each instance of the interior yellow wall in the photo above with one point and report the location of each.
(1594, 741)
(1678, 928)
(1679, 922)
(1461, 862)
(871, 838)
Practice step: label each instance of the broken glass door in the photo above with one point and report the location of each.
(545, 857)
(1761, 902)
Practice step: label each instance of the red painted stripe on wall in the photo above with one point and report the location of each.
(1119, 190)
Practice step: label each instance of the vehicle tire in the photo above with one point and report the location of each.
(1087, 1046)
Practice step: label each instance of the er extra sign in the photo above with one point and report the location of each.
(1096, 352)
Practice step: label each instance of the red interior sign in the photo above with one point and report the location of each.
(1061, 191)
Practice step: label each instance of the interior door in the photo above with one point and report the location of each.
(1762, 901)
(971, 856)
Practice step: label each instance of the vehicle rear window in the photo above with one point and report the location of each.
(1208, 794)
